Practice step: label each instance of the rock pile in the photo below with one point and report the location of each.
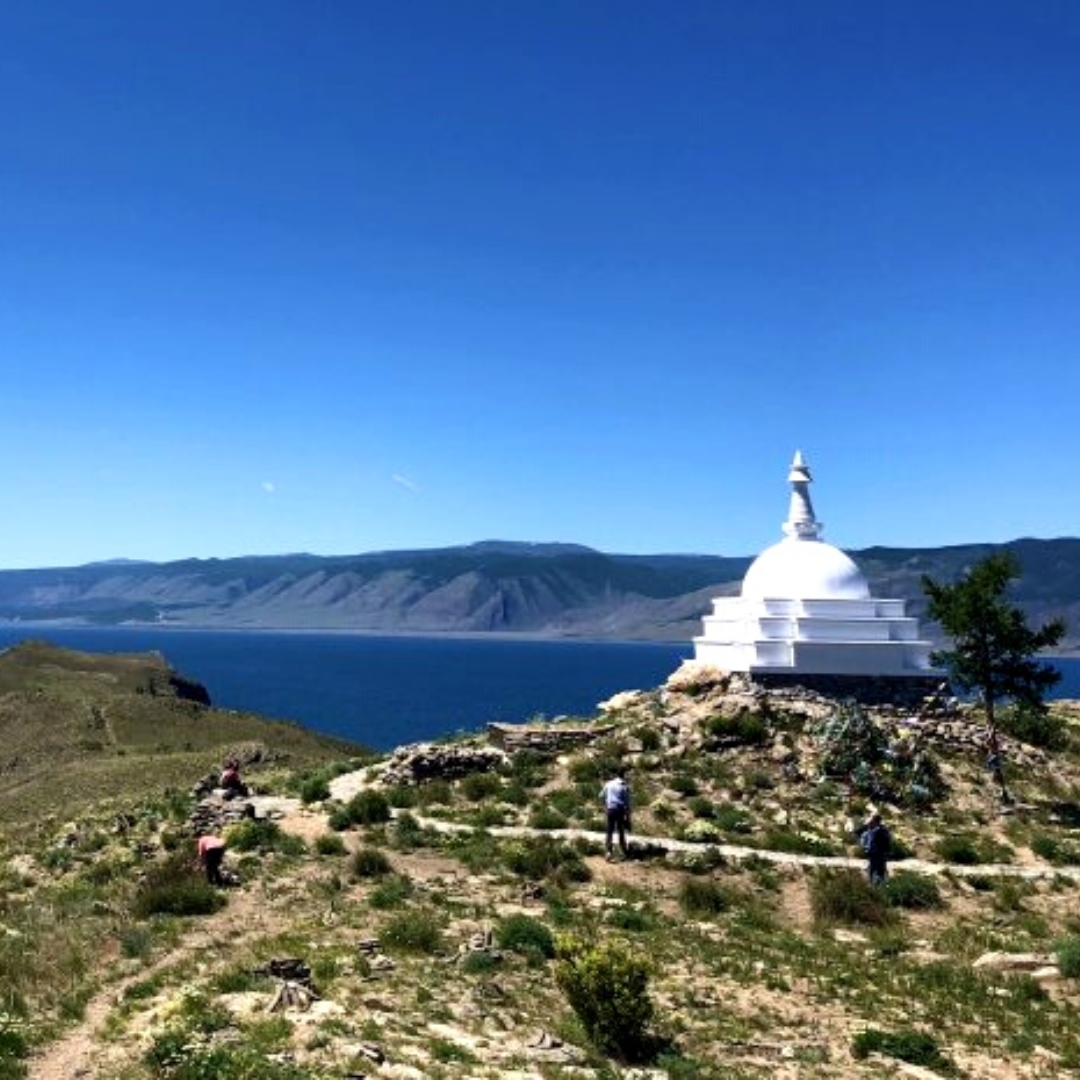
(431, 761)
(213, 814)
(551, 740)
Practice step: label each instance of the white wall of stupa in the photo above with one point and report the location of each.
(806, 609)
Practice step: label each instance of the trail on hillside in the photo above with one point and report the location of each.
(73, 1055)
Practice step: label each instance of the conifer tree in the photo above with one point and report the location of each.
(993, 650)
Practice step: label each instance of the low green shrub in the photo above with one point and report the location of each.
(845, 896)
(546, 817)
(543, 857)
(684, 784)
(370, 863)
(479, 963)
(732, 819)
(745, 728)
(1068, 957)
(607, 985)
(529, 769)
(174, 887)
(263, 835)
(315, 788)
(479, 786)
(401, 796)
(435, 793)
(523, 934)
(795, 843)
(704, 897)
(635, 920)
(1035, 725)
(914, 1047)
(330, 844)
(649, 738)
(959, 850)
(391, 892)
(369, 808)
(914, 891)
(413, 931)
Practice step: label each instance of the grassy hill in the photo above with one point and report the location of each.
(435, 921)
(98, 726)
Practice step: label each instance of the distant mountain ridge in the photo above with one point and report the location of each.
(490, 586)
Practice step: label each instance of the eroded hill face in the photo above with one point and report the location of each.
(421, 917)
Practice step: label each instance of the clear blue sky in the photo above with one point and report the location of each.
(346, 276)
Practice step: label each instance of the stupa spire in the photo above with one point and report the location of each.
(801, 523)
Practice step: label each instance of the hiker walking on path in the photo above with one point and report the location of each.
(211, 854)
(875, 840)
(616, 798)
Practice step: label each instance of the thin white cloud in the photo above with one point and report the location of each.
(404, 481)
(269, 487)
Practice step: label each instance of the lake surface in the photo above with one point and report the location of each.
(383, 691)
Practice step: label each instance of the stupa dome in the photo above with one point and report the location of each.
(806, 613)
(797, 569)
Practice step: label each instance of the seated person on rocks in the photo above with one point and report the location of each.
(231, 782)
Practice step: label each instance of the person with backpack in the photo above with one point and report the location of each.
(615, 795)
(876, 841)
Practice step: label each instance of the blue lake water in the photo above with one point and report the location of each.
(383, 691)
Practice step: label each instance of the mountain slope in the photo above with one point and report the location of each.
(494, 586)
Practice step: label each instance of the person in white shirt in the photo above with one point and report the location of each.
(616, 798)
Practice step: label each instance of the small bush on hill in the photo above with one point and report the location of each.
(542, 857)
(732, 819)
(607, 986)
(391, 892)
(435, 793)
(173, 887)
(635, 920)
(845, 896)
(546, 817)
(684, 784)
(263, 835)
(1068, 957)
(704, 897)
(746, 728)
(914, 1047)
(648, 737)
(914, 891)
(959, 850)
(369, 808)
(524, 934)
(529, 769)
(479, 786)
(315, 788)
(1034, 725)
(330, 844)
(795, 843)
(401, 796)
(413, 931)
(370, 863)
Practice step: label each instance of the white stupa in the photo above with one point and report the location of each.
(806, 610)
